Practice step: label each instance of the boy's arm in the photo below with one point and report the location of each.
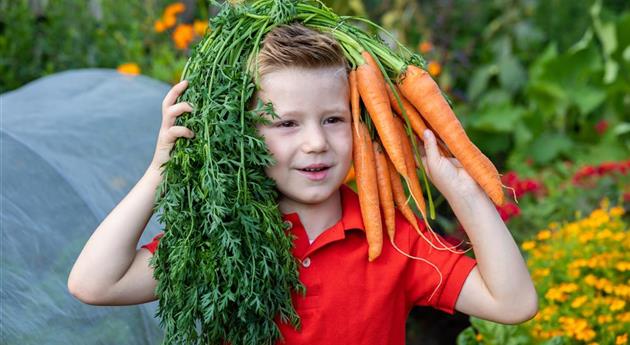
(109, 270)
(98, 275)
(499, 288)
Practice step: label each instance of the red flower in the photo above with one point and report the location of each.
(604, 168)
(508, 211)
(601, 126)
(510, 179)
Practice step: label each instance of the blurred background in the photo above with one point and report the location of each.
(541, 86)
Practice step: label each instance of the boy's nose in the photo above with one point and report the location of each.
(314, 140)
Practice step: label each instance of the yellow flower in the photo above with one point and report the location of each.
(425, 47)
(578, 302)
(528, 245)
(479, 337)
(617, 304)
(183, 35)
(555, 295)
(604, 234)
(622, 266)
(616, 211)
(601, 319)
(129, 69)
(590, 280)
(543, 235)
(621, 339)
(200, 27)
(434, 68)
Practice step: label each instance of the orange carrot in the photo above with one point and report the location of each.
(354, 99)
(422, 91)
(367, 189)
(373, 92)
(413, 181)
(400, 198)
(386, 197)
(415, 119)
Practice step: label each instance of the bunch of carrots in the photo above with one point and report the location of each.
(400, 100)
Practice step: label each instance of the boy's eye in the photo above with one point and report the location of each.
(335, 119)
(285, 124)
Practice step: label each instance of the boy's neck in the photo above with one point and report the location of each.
(315, 218)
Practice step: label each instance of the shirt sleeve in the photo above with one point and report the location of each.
(423, 279)
(152, 246)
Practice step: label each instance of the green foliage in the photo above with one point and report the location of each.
(224, 266)
(68, 34)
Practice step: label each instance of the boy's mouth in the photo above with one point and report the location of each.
(315, 168)
(316, 172)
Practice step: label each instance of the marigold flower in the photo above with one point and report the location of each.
(425, 47)
(159, 26)
(129, 68)
(617, 304)
(528, 245)
(434, 68)
(200, 27)
(544, 235)
(174, 9)
(183, 35)
(621, 339)
(578, 302)
(169, 21)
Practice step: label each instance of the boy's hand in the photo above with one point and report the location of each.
(447, 174)
(168, 132)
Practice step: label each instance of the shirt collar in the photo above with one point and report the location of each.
(351, 218)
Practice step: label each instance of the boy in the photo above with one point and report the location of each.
(348, 300)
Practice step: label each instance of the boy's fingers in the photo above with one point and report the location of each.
(176, 110)
(173, 93)
(430, 146)
(178, 131)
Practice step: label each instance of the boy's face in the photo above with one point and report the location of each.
(313, 128)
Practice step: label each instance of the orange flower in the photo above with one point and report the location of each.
(200, 27)
(425, 47)
(183, 35)
(434, 68)
(169, 21)
(174, 8)
(159, 26)
(129, 69)
(350, 176)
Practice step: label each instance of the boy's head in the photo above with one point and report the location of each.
(303, 73)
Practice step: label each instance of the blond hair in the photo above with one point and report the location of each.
(295, 45)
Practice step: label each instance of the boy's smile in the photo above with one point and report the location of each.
(311, 140)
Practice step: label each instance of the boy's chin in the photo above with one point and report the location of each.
(312, 195)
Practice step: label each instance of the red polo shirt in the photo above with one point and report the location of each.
(352, 301)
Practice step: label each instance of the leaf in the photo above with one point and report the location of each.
(512, 75)
(548, 146)
(467, 337)
(621, 128)
(499, 118)
(587, 98)
(479, 80)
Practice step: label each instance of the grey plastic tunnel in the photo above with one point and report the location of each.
(72, 144)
